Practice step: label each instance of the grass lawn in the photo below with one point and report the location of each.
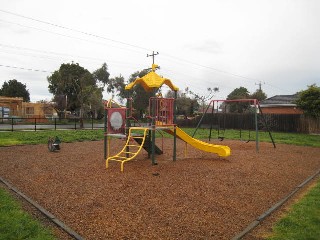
(41, 137)
(303, 219)
(16, 224)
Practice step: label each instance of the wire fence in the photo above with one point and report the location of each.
(295, 123)
(36, 124)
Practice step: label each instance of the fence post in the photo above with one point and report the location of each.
(75, 124)
(35, 124)
(91, 122)
(11, 124)
(55, 124)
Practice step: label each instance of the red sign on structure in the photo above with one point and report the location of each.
(116, 120)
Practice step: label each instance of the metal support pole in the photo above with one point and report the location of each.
(256, 123)
(127, 123)
(153, 129)
(105, 144)
(174, 130)
(55, 124)
(91, 122)
(211, 120)
(198, 125)
(35, 124)
(267, 126)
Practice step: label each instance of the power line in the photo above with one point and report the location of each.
(127, 44)
(275, 87)
(75, 30)
(63, 35)
(120, 42)
(27, 69)
(211, 68)
(12, 47)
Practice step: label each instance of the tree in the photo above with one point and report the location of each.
(309, 101)
(47, 107)
(184, 104)
(14, 88)
(203, 98)
(238, 93)
(258, 94)
(117, 84)
(101, 75)
(78, 86)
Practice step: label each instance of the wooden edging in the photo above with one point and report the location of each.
(49, 215)
(257, 221)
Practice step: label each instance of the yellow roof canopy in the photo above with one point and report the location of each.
(151, 81)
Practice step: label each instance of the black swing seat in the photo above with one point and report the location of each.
(54, 144)
(220, 138)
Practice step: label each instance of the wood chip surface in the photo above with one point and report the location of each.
(199, 196)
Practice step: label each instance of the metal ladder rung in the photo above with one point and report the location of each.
(117, 160)
(117, 157)
(130, 152)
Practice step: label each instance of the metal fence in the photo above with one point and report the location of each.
(35, 124)
(295, 123)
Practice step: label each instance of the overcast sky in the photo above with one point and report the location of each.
(201, 44)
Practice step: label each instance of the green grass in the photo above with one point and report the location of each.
(16, 224)
(41, 137)
(279, 137)
(303, 220)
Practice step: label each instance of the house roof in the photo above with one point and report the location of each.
(280, 100)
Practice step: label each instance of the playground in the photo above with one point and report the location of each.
(133, 185)
(202, 196)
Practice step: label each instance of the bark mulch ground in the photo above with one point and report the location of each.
(199, 196)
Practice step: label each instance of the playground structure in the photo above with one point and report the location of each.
(162, 118)
(257, 111)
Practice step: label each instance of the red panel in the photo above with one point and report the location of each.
(116, 120)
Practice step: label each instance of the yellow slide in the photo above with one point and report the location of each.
(222, 151)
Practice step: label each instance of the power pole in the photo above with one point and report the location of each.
(153, 55)
(260, 84)
(154, 66)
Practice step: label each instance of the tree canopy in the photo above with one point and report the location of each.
(259, 94)
(238, 93)
(309, 101)
(76, 89)
(14, 88)
(185, 105)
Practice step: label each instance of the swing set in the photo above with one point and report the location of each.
(243, 124)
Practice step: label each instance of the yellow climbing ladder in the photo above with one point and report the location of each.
(124, 155)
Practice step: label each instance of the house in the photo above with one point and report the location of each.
(13, 104)
(38, 110)
(281, 104)
(17, 108)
